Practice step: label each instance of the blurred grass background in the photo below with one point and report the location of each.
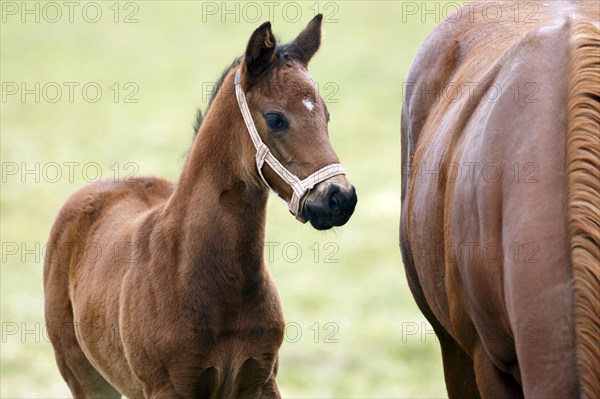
(354, 330)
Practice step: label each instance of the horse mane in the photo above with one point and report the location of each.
(213, 94)
(283, 53)
(583, 201)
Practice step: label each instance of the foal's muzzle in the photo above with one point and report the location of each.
(330, 204)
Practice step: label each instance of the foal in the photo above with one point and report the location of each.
(155, 289)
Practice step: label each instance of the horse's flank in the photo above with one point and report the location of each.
(498, 317)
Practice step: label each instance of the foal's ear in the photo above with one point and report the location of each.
(309, 40)
(261, 48)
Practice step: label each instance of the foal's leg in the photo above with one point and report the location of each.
(82, 378)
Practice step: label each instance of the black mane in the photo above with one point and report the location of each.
(283, 53)
(199, 116)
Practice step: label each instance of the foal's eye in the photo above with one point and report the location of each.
(276, 121)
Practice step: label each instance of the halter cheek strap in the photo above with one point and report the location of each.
(263, 154)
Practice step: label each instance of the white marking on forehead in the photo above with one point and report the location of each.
(308, 103)
(309, 100)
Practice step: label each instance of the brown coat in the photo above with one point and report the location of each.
(486, 200)
(160, 290)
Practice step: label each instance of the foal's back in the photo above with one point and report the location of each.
(102, 206)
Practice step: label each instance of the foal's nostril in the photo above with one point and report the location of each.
(332, 208)
(334, 200)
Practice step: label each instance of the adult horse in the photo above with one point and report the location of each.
(501, 195)
(176, 300)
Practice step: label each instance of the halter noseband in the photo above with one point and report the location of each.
(263, 154)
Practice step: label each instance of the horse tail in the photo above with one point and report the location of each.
(583, 201)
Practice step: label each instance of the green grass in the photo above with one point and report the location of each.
(169, 54)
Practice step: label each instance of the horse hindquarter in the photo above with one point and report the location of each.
(89, 255)
(485, 205)
(67, 247)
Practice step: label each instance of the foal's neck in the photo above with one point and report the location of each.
(218, 206)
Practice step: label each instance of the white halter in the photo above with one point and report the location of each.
(263, 154)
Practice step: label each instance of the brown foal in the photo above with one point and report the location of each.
(160, 290)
